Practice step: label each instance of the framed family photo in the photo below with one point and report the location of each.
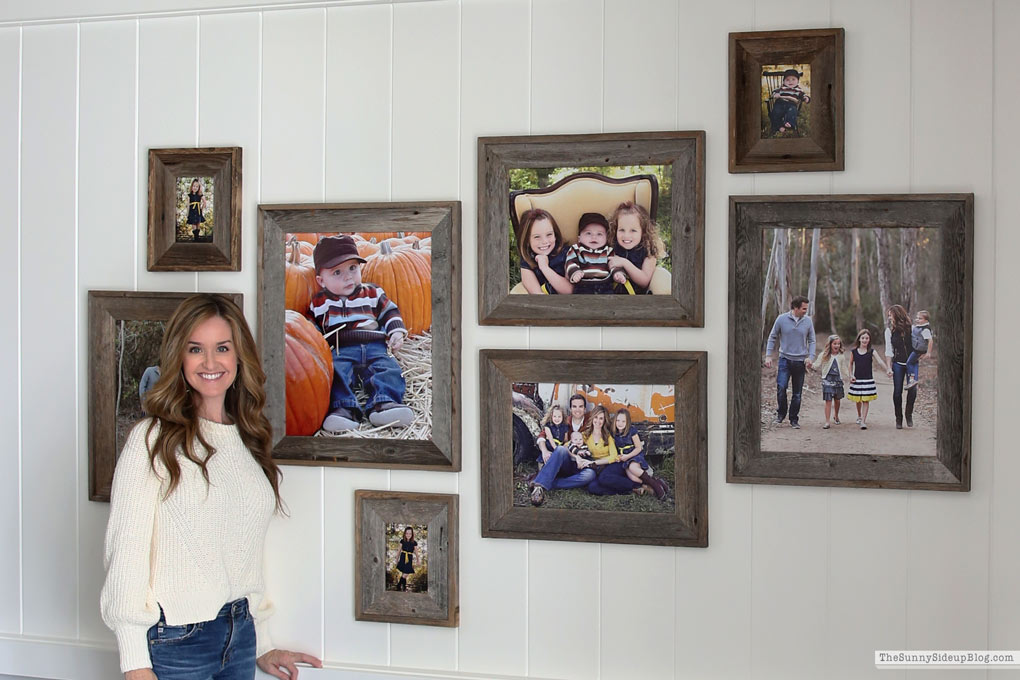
(851, 340)
(194, 209)
(596, 446)
(406, 558)
(359, 323)
(786, 100)
(125, 334)
(563, 217)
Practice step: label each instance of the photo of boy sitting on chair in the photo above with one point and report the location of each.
(589, 233)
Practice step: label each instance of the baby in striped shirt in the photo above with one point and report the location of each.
(587, 264)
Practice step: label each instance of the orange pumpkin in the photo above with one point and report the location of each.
(306, 248)
(426, 251)
(308, 366)
(299, 279)
(310, 237)
(379, 236)
(367, 248)
(406, 277)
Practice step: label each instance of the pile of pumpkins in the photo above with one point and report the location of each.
(398, 262)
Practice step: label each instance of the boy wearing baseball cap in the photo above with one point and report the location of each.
(359, 323)
(587, 264)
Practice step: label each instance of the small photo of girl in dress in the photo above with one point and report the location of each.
(195, 209)
(407, 558)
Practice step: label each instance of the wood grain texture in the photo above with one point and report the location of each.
(953, 216)
(686, 303)
(165, 254)
(373, 510)
(687, 525)
(442, 219)
(105, 309)
(824, 148)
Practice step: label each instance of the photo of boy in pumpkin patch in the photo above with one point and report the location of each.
(361, 325)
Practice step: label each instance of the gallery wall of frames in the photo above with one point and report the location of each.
(735, 505)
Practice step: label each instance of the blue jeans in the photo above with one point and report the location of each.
(783, 112)
(913, 365)
(789, 369)
(378, 371)
(899, 374)
(221, 649)
(613, 480)
(561, 472)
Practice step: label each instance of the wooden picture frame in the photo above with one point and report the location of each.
(822, 146)
(952, 215)
(684, 303)
(439, 605)
(220, 251)
(686, 525)
(105, 309)
(442, 220)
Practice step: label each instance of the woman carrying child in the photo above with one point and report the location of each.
(637, 247)
(543, 255)
(862, 381)
(832, 364)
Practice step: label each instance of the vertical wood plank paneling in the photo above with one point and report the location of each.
(495, 86)
(425, 165)
(49, 460)
(347, 640)
(781, 15)
(358, 105)
(106, 251)
(1004, 591)
(293, 67)
(713, 587)
(228, 115)
(868, 548)
(947, 601)
(167, 64)
(10, 451)
(789, 582)
(566, 67)
(563, 610)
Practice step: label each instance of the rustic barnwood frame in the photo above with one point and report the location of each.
(685, 306)
(687, 525)
(442, 219)
(823, 149)
(224, 252)
(105, 309)
(953, 215)
(439, 606)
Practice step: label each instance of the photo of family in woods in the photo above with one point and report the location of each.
(850, 315)
(590, 230)
(601, 447)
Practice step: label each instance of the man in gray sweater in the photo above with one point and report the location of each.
(796, 334)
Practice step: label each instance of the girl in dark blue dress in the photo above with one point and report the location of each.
(543, 254)
(196, 206)
(631, 452)
(405, 562)
(637, 248)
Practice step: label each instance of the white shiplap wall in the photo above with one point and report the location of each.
(374, 101)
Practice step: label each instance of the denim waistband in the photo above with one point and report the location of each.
(236, 609)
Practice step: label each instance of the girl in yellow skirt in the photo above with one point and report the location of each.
(862, 381)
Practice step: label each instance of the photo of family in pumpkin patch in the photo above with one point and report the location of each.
(358, 351)
(849, 327)
(590, 230)
(594, 447)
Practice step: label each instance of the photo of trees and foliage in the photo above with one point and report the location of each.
(539, 178)
(418, 581)
(136, 348)
(851, 277)
(185, 231)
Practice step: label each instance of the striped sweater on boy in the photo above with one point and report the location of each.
(366, 315)
(592, 262)
(794, 92)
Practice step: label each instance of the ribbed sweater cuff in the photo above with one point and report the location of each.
(263, 643)
(133, 643)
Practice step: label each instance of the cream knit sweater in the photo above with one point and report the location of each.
(191, 553)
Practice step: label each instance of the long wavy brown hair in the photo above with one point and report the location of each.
(174, 406)
(605, 430)
(901, 320)
(650, 238)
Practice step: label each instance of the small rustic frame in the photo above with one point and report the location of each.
(165, 254)
(685, 151)
(823, 149)
(106, 308)
(439, 606)
(442, 219)
(687, 525)
(953, 215)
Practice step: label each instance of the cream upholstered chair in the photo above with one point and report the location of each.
(582, 192)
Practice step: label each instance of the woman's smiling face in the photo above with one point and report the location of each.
(542, 239)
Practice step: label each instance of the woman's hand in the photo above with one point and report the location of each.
(140, 674)
(275, 661)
